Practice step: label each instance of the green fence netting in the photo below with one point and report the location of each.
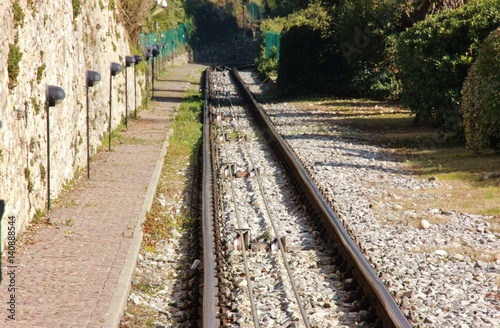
(254, 11)
(172, 39)
(272, 40)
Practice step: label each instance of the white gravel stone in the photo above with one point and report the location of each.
(424, 224)
(441, 252)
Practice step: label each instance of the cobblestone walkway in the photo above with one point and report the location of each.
(75, 272)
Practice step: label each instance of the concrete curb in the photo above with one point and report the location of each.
(122, 289)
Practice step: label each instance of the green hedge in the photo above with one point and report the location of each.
(306, 62)
(309, 58)
(362, 28)
(434, 56)
(481, 97)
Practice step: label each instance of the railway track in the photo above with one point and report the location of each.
(274, 252)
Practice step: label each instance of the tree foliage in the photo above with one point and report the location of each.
(139, 16)
(309, 59)
(212, 20)
(481, 97)
(434, 56)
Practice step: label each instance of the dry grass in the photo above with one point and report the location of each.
(473, 253)
(422, 151)
(173, 181)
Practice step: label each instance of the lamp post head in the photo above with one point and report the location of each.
(149, 55)
(115, 68)
(129, 61)
(156, 52)
(54, 95)
(93, 78)
(138, 59)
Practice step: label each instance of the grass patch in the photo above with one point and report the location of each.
(116, 137)
(172, 186)
(182, 146)
(138, 316)
(422, 150)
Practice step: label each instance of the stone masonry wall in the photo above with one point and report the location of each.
(57, 49)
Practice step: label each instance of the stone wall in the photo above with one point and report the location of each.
(57, 49)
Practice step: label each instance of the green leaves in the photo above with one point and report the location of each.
(480, 97)
(433, 58)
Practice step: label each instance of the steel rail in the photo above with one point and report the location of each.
(209, 294)
(273, 224)
(386, 306)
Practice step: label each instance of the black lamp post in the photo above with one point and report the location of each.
(138, 60)
(129, 61)
(53, 95)
(149, 55)
(115, 69)
(155, 53)
(93, 78)
(2, 209)
(172, 53)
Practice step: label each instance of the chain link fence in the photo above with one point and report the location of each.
(170, 40)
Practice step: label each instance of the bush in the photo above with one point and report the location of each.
(481, 97)
(434, 56)
(309, 58)
(307, 63)
(361, 29)
(267, 64)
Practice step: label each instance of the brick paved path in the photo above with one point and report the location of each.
(75, 273)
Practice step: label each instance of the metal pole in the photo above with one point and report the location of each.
(135, 94)
(147, 82)
(153, 79)
(48, 162)
(126, 98)
(110, 105)
(88, 137)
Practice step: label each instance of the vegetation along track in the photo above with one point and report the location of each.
(274, 253)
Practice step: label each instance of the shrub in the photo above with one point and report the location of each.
(307, 62)
(434, 56)
(309, 58)
(267, 63)
(361, 29)
(481, 97)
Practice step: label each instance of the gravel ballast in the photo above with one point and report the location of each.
(428, 258)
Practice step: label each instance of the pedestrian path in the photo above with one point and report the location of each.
(76, 272)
